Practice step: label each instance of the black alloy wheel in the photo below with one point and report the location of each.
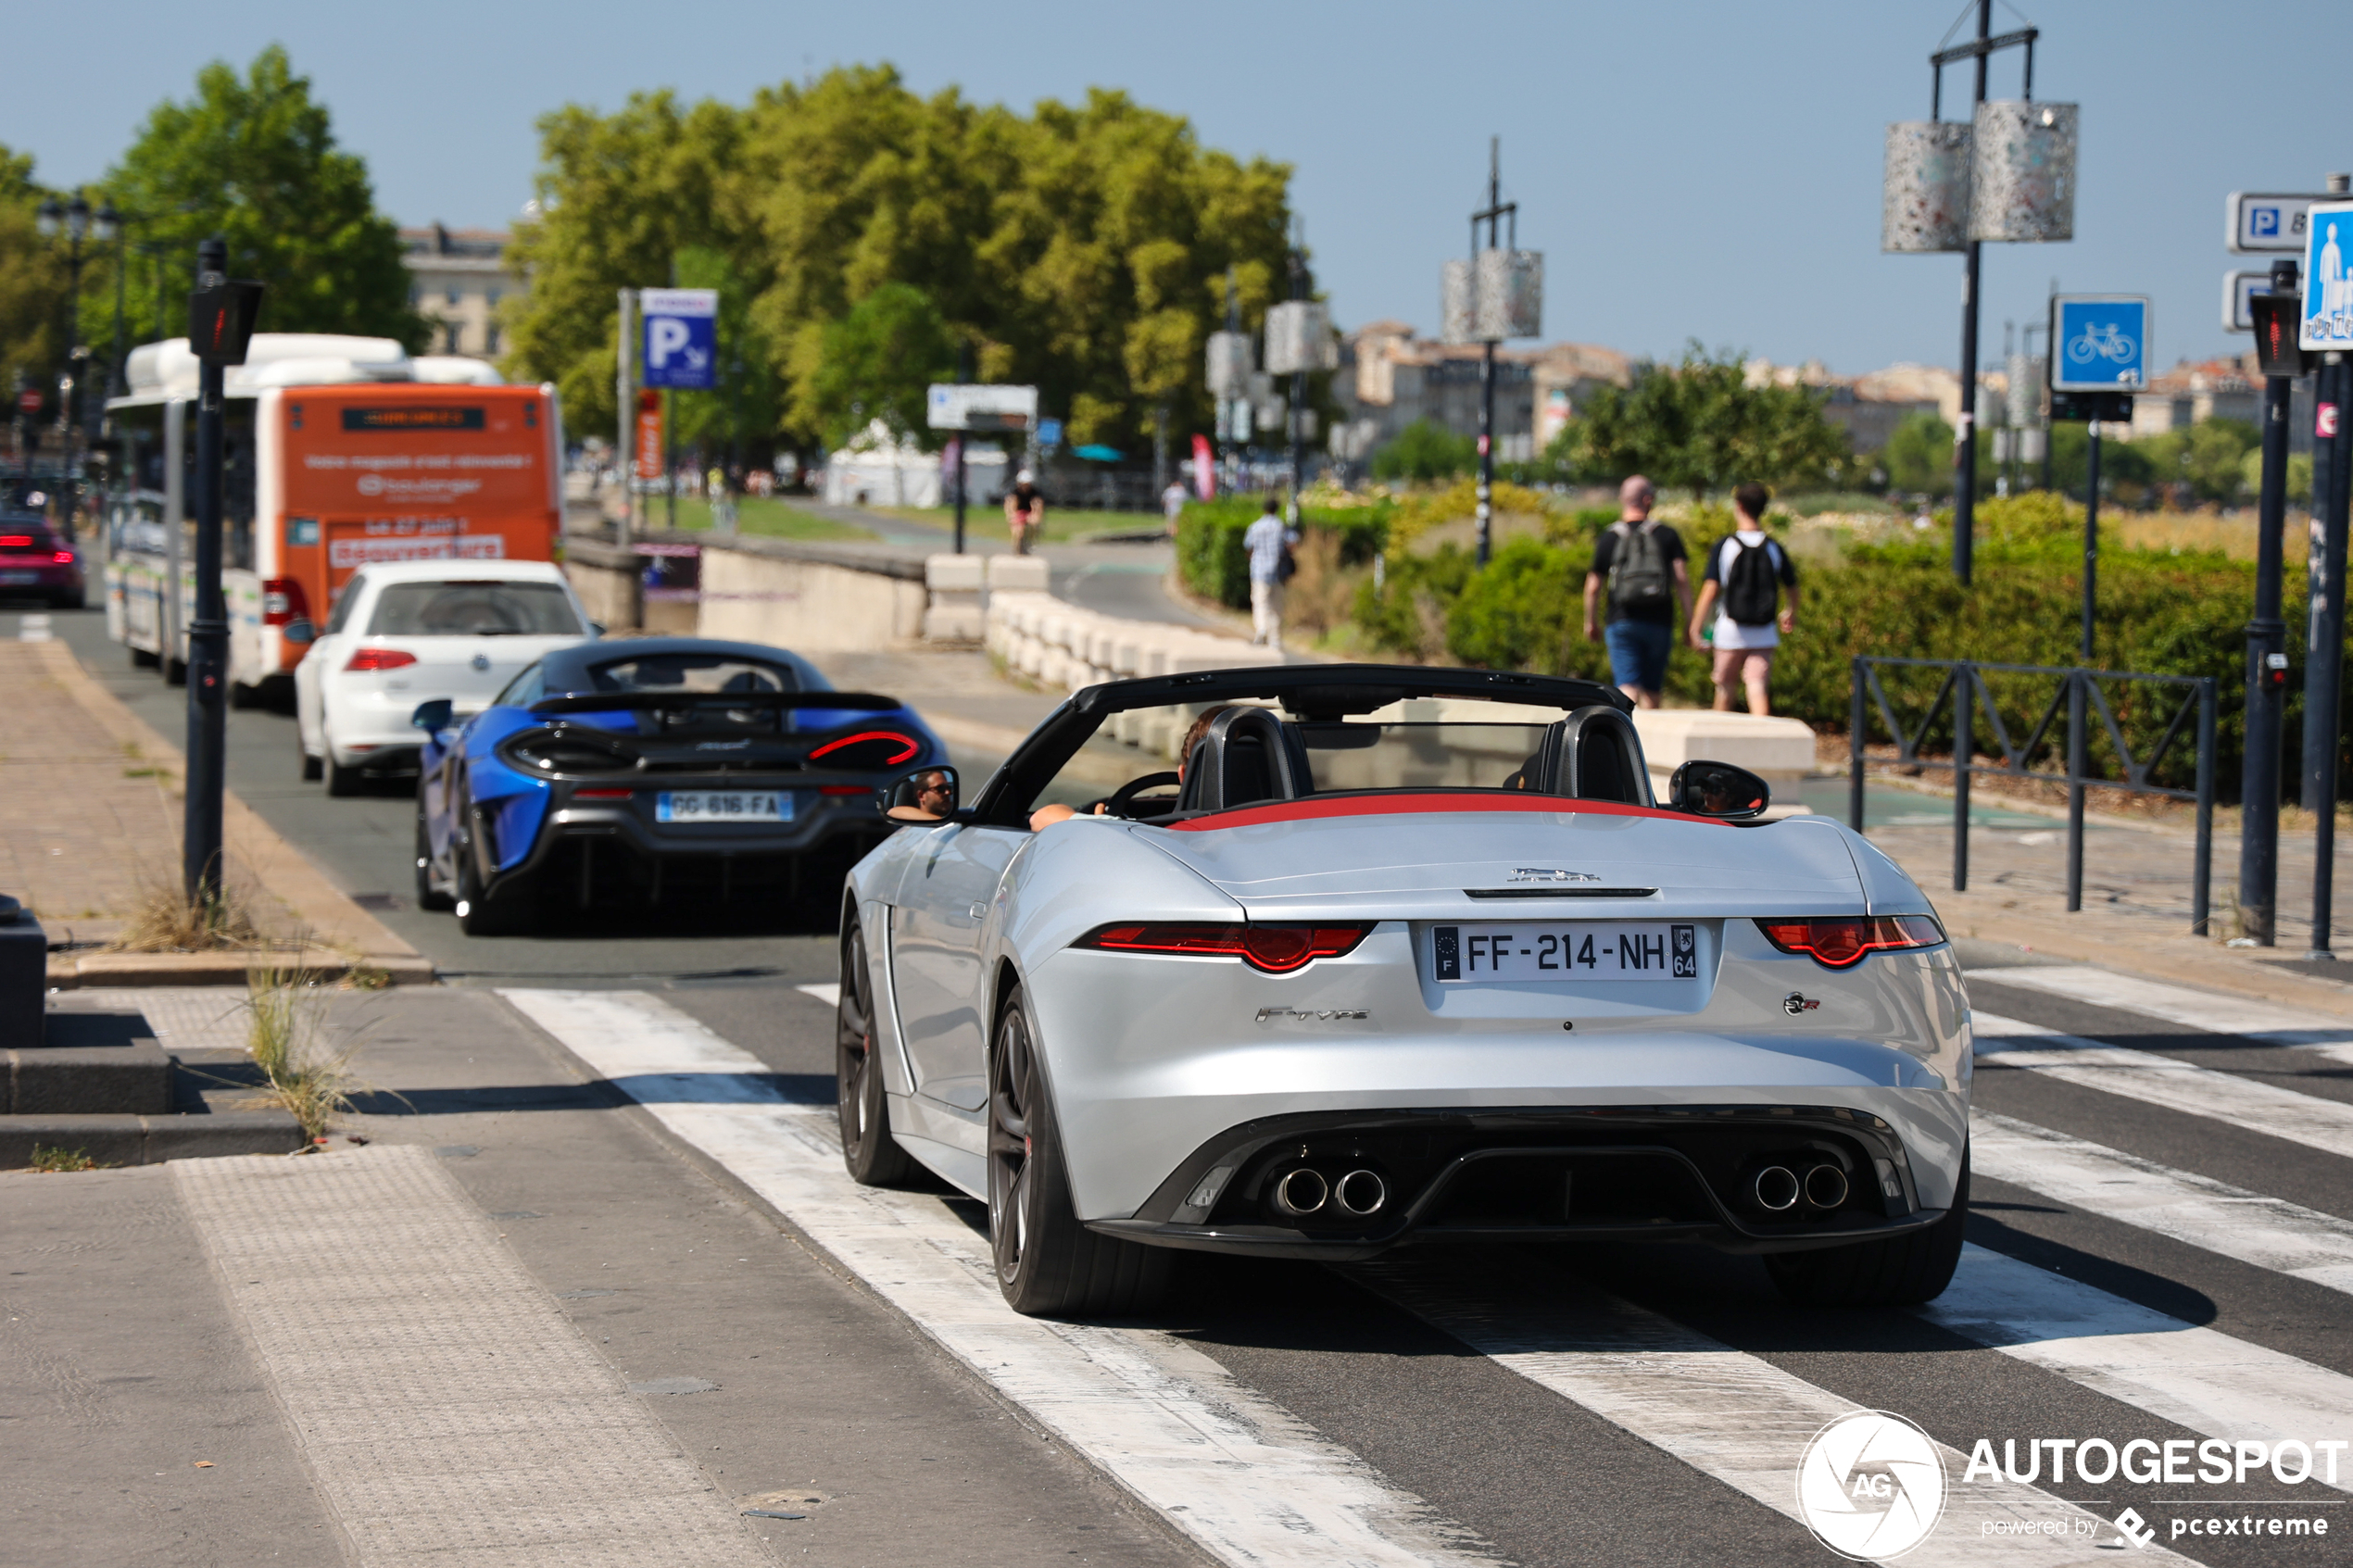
(477, 915)
(1900, 1271)
(873, 1155)
(1047, 1263)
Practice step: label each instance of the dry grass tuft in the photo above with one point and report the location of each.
(166, 921)
(309, 1077)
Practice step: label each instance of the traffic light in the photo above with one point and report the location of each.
(222, 318)
(2277, 319)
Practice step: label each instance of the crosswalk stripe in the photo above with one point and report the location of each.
(2269, 1233)
(2243, 1016)
(2245, 1103)
(1239, 1475)
(1732, 1416)
(2195, 1378)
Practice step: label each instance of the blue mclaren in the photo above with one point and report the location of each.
(676, 772)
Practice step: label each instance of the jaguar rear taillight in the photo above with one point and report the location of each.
(1841, 941)
(1272, 950)
(365, 659)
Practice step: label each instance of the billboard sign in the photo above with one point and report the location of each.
(951, 407)
(2099, 342)
(681, 337)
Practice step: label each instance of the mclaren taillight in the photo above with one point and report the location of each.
(62, 558)
(1276, 949)
(380, 659)
(602, 794)
(869, 748)
(283, 602)
(1841, 940)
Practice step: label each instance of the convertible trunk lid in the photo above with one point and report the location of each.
(1502, 864)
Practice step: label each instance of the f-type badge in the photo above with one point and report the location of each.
(1310, 1015)
(1550, 874)
(1797, 1002)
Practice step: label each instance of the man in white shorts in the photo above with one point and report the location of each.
(1746, 575)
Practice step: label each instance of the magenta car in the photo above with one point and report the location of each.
(36, 559)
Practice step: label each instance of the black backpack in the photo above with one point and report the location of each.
(1751, 587)
(1638, 580)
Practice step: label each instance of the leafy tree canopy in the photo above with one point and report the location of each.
(1425, 450)
(253, 158)
(1700, 426)
(32, 282)
(1918, 457)
(1082, 247)
(875, 364)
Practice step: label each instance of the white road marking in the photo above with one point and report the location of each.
(1240, 1476)
(2269, 1233)
(2245, 1103)
(449, 1411)
(2193, 1377)
(829, 992)
(2243, 1016)
(1731, 1416)
(33, 629)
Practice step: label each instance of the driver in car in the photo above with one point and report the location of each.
(1047, 816)
(934, 799)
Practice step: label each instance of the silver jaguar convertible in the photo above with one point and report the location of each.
(1396, 957)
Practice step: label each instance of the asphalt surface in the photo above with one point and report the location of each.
(674, 1259)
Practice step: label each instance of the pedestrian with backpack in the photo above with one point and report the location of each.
(1642, 565)
(1743, 581)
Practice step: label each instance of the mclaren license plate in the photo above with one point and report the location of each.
(723, 806)
(18, 579)
(1582, 950)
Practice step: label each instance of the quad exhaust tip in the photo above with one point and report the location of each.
(1825, 1186)
(1302, 1192)
(1776, 1189)
(1361, 1194)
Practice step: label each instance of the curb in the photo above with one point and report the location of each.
(149, 1140)
(69, 972)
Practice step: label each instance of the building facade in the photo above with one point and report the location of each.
(458, 279)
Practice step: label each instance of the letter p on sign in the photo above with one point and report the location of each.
(665, 335)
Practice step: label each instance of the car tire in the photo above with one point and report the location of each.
(1903, 1271)
(428, 895)
(477, 915)
(142, 659)
(1047, 1263)
(341, 782)
(873, 1155)
(75, 600)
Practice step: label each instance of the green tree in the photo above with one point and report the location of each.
(33, 282)
(1425, 450)
(1919, 456)
(2299, 474)
(1700, 426)
(254, 158)
(874, 364)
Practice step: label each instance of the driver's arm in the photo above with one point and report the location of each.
(1047, 816)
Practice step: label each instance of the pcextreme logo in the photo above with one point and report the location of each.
(1871, 1485)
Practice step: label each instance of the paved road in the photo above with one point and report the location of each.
(2163, 1251)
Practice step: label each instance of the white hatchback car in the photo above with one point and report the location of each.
(404, 634)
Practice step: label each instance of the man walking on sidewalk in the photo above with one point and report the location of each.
(1641, 564)
(1268, 542)
(1748, 573)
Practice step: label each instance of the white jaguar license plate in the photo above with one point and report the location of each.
(1584, 950)
(723, 806)
(18, 579)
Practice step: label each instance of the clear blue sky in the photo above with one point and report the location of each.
(1690, 168)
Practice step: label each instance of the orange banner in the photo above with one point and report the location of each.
(649, 453)
(394, 451)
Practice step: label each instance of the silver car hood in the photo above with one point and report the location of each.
(1421, 865)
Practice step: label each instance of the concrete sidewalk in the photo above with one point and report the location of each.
(94, 830)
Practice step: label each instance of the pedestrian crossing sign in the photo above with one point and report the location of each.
(2328, 277)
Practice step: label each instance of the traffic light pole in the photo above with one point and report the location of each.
(2266, 669)
(2324, 669)
(2320, 671)
(208, 632)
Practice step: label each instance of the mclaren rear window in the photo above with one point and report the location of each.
(692, 672)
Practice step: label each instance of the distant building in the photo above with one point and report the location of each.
(457, 278)
(1391, 378)
(2190, 395)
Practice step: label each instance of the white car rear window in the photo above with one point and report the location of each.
(482, 608)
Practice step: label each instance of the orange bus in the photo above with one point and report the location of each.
(342, 451)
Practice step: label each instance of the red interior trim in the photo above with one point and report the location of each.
(1317, 806)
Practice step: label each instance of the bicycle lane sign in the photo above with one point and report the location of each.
(2100, 341)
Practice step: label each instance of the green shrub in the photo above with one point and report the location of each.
(1213, 563)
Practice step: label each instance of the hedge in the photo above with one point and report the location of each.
(1213, 563)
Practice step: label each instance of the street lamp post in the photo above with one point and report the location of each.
(75, 220)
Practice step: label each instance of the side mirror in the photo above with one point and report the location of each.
(434, 716)
(597, 628)
(299, 630)
(926, 795)
(1718, 790)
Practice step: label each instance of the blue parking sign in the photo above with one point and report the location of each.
(681, 337)
(2099, 342)
(2328, 278)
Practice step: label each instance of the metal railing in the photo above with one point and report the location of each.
(1964, 694)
